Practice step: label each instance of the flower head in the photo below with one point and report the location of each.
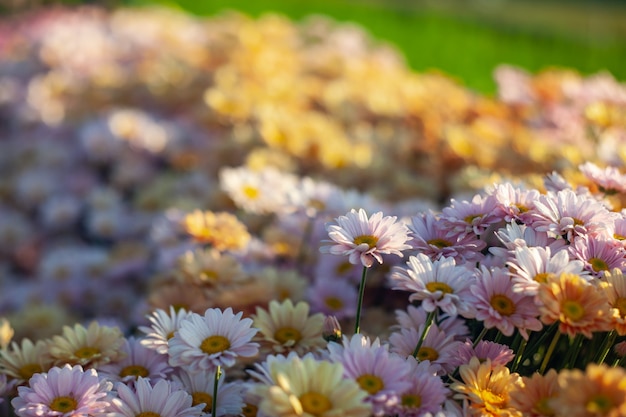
(162, 328)
(223, 231)
(139, 361)
(536, 393)
(200, 386)
(365, 239)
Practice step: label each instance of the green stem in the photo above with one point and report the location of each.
(427, 326)
(218, 375)
(518, 354)
(480, 336)
(609, 340)
(546, 358)
(572, 355)
(357, 324)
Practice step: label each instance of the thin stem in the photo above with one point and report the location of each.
(609, 340)
(357, 324)
(519, 354)
(546, 358)
(574, 351)
(480, 336)
(218, 375)
(427, 326)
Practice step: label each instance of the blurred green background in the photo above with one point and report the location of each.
(466, 39)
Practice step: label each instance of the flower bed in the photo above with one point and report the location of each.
(232, 216)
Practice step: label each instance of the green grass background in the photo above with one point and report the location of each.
(468, 39)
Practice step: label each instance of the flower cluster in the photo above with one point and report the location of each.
(194, 219)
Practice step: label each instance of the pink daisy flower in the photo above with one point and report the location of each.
(598, 255)
(514, 235)
(333, 297)
(162, 328)
(160, 400)
(498, 305)
(64, 392)
(437, 284)
(497, 353)
(430, 237)
(365, 239)
(139, 361)
(609, 179)
(377, 371)
(470, 217)
(202, 343)
(514, 203)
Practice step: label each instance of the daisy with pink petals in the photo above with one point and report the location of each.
(439, 284)
(139, 361)
(513, 202)
(204, 343)
(598, 255)
(146, 400)
(67, 392)
(162, 328)
(365, 239)
(498, 305)
(497, 353)
(333, 297)
(471, 217)
(609, 180)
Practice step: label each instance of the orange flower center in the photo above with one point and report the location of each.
(439, 286)
(573, 310)
(148, 414)
(63, 404)
(214, 344)
(315, 403)
(542, 277)
(427, 354)
(287, 334)
(202, 397)
(249, 410)
(367, 239)
(370, 383)
(251, 192)
(502, 304)
(134, 370)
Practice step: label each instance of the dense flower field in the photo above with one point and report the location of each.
(228, 216)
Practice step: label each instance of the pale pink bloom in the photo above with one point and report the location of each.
(162, 328)
(515, 235)
(139, 361)
(598, 255)
(365, 239)
(336, 267)
(162, 399)
(64, 392)
(202, 343)
(333, 297)
(532, 266)
(470, 217)
(609, 179)
(430, 237)
(437, 284)
(377, 371)
(497, 353)
(568, 214)
(514, 203)
(498, 305)
(313, 197)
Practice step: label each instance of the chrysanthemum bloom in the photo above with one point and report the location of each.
(139, 361)
(514, 202)
(21, 361)
(200, 386)
(309, 387)
(223, 231)
(470, 217)
(162, 328)
(609, 180)
(497, 353)
(426, 393)
(577, 305)
(381, 373)
(498, 305)
(568, 214)
(210, 268)
(437, 284)
(599, 390)
(333, 297)
(430, 237)
(598, 255)
(67, 391)
(284, 282)
(487, 389)
(534, 395)
(515, 236)
(285, 327)
(365, 239)
(146, 400)
(615, 289)
(533, 265)
(202, 344)
(89, 347)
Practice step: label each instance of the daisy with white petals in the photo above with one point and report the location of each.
(162, 328)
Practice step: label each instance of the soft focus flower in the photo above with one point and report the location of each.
(139, 361)
(162, 328)
(22, 360)
(535, 394)
(365, 239)
(6, 333)
(615, 290)
(333, 297)
(223, 231)
(67, 391)
(202, 343)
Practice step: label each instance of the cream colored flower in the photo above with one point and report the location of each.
(285, 283)
(210, 268)
(21, 361)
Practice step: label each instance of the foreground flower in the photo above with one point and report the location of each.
(216, 339)
(160, 400)
(487, 388)
(365, 239)
(615, 290)
(484, 350)
(426, 393)
(68, 392)
(599, 390)
(308, 387)
(201, 387)
(139, 361)
(162, 328)
(534, 396)
(23, 360)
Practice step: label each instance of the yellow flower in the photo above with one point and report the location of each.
(223, 231)
(615, 290)
(6, 333)
(533, 397)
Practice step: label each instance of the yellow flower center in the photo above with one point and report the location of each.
(599, 405)
(214, 344)
(620, 304)
(598, 264)
(440, 243)
(572, 310)
(411, 400)
(439, 286)
(542, 406)
(134, 370)
(542, 277)
(29, 369)
(86, 352)
(492, 399)
(333, 303)
(618, 237)
(367, 239)
(344, 268)
(370, 383)
(287, 334)
(148, 414)
(427, 354)
(469, 219)
(251, 192)
(521, 208)
(502, 304)
(577, 222)
(63, 404)
(249, 410)
(209, 274)
(315, 403)
(202, 397)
